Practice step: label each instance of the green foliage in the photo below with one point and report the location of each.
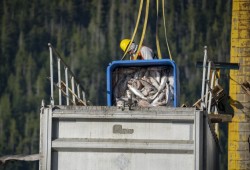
(87, 34)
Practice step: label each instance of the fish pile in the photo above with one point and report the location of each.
(143, 86)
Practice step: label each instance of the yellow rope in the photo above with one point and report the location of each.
(143, 31)
(163, 13)
(135, 30)
(157, 38)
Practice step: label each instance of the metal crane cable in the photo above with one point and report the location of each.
(156, 34)
(135, 30)
(144, 29)
(165, 30)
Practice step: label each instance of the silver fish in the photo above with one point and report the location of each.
(145, 92)
(157, 76)
(146, 79)
(167, 93)
(158, 98)
(153, 92)
(171, 80)
(137, 84)
(163, 83)
(170, 94)
(151, 98)
(154, 82)
(158, 104)
(136, 92)
(128, 93)
(147, 85)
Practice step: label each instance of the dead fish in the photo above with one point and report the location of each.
(143, 103)
(152, 97)
(137, 84)
(154, 82)
(163, 83)
(146, 79)
(147, 85)
(158, 104)
(145, 92)
(158, 98)
(171, 80)
(157, 76)
(136, 92)
(167, 93)
(153, 92)
(128, 93)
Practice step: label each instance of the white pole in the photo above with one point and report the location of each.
(203, 77)
(51, 75)
(207, 84)
(59, 80)
(73, 89)
(67, 85)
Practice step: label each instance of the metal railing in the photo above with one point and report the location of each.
(209, 83)
(67, 95)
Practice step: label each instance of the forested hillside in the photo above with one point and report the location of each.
(87, 34)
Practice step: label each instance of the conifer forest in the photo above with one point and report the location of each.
(87, 34)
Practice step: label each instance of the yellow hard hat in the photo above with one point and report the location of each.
(124, 44)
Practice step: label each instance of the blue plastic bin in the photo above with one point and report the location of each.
(142, 63)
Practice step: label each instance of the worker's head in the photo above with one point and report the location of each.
(124, 45)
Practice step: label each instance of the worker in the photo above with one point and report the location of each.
(145, 53)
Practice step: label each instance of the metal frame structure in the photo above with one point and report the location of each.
(71, 96)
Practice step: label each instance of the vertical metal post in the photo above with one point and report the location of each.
(67, 85)
(78, 91)
(73, 89)
(203, 77)
(59, 80)
(211, 95)
(83, 96)
(207, 84)
(49, 139)
(51, 75)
